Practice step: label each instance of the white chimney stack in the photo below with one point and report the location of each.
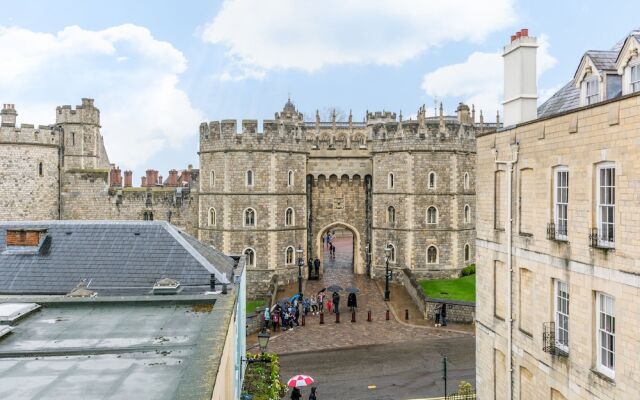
(520, 87)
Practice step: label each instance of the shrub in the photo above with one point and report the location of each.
(469, 270)
(262, 380)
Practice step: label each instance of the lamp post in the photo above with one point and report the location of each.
(387, 273)
(263, 340)
(300, 264)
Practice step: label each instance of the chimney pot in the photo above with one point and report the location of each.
(143, 181)
(518, 35)
(513, 37)
(525, 32)
(128, 178)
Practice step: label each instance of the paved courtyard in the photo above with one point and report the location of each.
(332, 335)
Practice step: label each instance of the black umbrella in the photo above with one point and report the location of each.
(334, 288)
(322, 290)
(352, 290)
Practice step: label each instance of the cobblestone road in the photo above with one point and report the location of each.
(333, 335)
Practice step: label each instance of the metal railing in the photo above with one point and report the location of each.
(557, 234)
(549, 340)
(602, 239)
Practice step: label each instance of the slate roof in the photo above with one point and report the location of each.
(110, 257)
(568, 97)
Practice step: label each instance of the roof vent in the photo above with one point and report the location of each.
(166, 286)
(11, 312)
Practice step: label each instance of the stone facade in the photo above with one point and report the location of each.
(544, 256)
(297, 179)
(342, 180)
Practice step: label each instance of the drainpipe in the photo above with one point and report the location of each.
(509, 231)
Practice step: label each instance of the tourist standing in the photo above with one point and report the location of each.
(352, 302)
(312, 396)
(321, 301)
(443, 314)
(295, 394)
(275, 320)
(336, 302)
(267, 318)
(316, 266)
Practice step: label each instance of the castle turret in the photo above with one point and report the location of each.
(83, 143)
(8, 115)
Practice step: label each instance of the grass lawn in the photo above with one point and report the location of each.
(452, 289)
(252, 304)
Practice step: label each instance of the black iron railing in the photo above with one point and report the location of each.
(556, 233)
(602, 239)
(467, 395)
(549, 340)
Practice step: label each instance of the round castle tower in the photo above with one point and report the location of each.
(252, 194)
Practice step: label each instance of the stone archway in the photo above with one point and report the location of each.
(358, 262)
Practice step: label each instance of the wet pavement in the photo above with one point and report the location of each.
(332, 335)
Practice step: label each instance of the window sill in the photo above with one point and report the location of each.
(525, 234)
(603, 376)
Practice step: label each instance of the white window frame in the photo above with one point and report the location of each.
(561, 302)
(251, 262)
(606, 201)
(292, 251)
(390, 181)
(437, 255)
(249, 178)
(290, 178)
(212, 220)
(467, 214)
(466, 181)
(561, 202)
(244, 218)
(634, 86)
(431, 185)
(605, 331)
(435, 215)
(293, 217)
(591, 97)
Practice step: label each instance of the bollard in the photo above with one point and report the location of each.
(302, 319)
(387, 315)
(406, 314)
(337, 318)
(353, 316)
(321, 318)
(369, 316)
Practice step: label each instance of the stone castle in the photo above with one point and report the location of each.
(404, 184)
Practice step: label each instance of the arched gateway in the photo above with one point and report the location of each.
(359, 263)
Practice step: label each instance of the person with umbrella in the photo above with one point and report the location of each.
(295, 394)
(336, 302)
(299, 381)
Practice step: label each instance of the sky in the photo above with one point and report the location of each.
(156, 69)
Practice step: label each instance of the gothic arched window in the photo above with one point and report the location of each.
(432, 215)
(432, 255)
(249, 217)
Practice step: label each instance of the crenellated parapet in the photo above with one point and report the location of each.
(276, 135)
(85, 113)
(31, 134)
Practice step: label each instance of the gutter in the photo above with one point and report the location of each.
(509, 229)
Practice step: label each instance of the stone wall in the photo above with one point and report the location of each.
(457, 311)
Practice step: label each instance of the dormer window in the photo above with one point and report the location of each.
(634, 78)
(591, 91)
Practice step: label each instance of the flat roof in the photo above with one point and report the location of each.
(117, 348)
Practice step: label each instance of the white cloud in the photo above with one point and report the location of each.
(478, 80)
(311, 34)
(132, 76)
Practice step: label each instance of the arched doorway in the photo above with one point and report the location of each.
(347, 241)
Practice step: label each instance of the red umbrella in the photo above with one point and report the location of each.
(300, 380)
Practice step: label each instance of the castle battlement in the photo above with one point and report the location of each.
(26, 133)
(86, 114)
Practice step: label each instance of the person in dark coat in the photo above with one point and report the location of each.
(295, 394)
(316, 266)
(443, 314)
(335, 297)
(312, 396)
(352, 301)
(310, 265)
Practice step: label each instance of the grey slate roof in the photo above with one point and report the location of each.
(568, 97)
(112, 257)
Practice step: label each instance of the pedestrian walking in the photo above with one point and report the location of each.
(312, 396)
(295, 394)
(314, 305)
(275, 320)
(352, 302)
(321, 301)
(336, 302)
(267, 318)
(443, 314)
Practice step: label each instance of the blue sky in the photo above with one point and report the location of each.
(158, 68)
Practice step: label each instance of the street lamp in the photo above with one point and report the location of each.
(300, 264)
(387, 273)
(263, 340)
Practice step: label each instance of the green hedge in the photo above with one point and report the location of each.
(469, 270)
(262, 379)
